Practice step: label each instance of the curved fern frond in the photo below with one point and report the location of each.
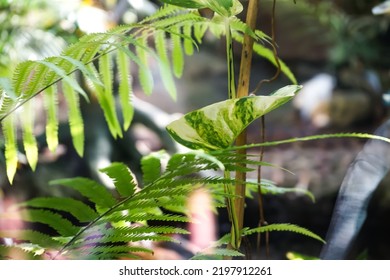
(63, 226)
(76, 208)
(282, 227)
(95, 192)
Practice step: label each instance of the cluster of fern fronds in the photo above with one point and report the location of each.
(166, 36)
(111, 225)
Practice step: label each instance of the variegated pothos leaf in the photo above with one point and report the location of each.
(217, 126)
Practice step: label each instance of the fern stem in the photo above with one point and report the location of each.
(230, 61)
(235, 230)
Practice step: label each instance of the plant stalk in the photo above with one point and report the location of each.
(242, 91)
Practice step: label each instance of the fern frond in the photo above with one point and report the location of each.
(29, 141)
(163, 12)
(50, 104)
(134, 217)
(92, 190)
(76, 208)
(114, 252)
(75, 118)
(145, 76)
(268, 187)
(177, 52)
(118, 235)
(282, 227)
(63, 226)
(85, 70)
(11, 149)
(164, 64)
(24, 77)
(151, 166)
(124, 180)
(6, 88)
(125, 89)
(188, 42)
(140, 230)
(68, 79)
(217, 253)
(106, 98)
(33, 237)
(16, 253)
(309, 138)
(6, 103)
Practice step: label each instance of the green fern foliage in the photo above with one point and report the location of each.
(164, 37)
(103, 225)
(107, 224)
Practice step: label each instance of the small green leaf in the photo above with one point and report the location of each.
(218, 125)
(124, 180)
(75, 118)
(11, 149)
(125, 89)
(188, 42)
(177, 52)
(106, 98)
(50, 103)
(164, 64)
(151, 166)
(145, 76)
(29, 141)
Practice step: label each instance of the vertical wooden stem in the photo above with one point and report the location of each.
(242, 91)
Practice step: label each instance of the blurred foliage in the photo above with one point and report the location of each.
(32, 30)
(355, 32)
